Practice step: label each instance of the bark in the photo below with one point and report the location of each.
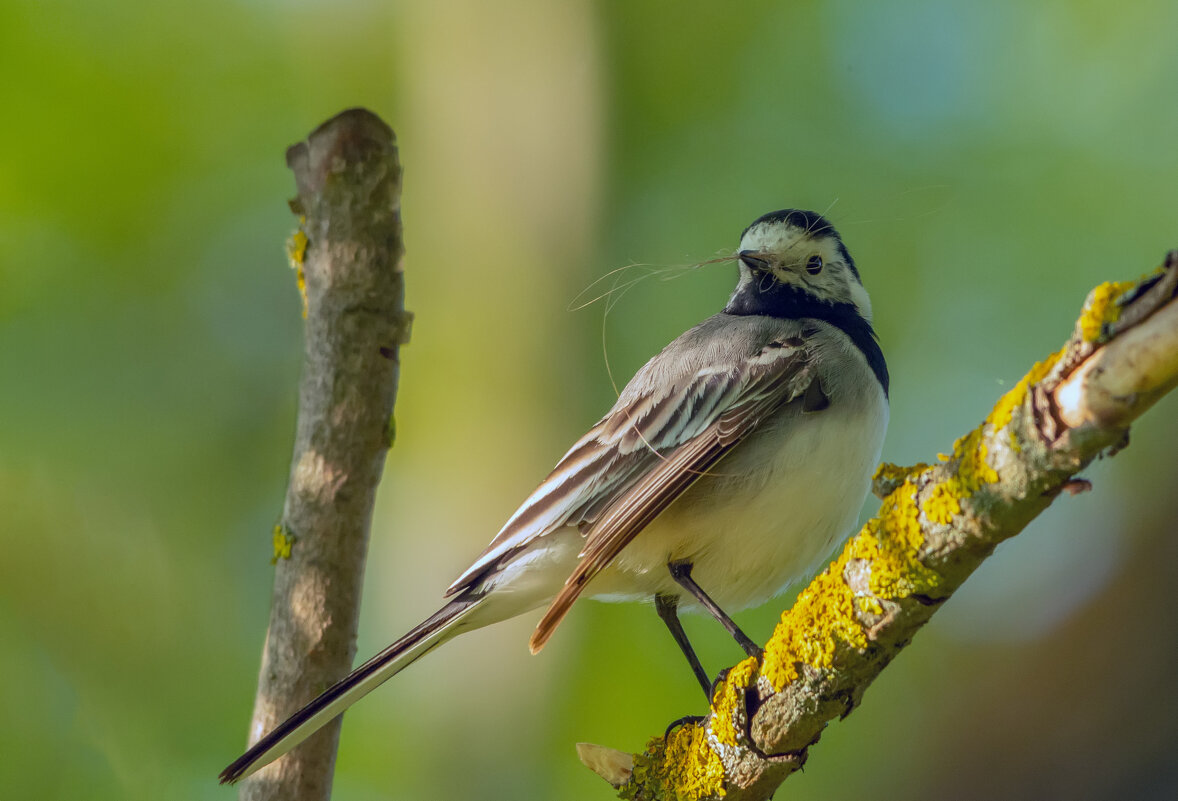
(348, 253)
(936, 525)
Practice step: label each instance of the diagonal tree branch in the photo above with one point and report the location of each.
(936, 525)
(348, 254)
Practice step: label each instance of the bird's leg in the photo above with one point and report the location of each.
(667, 607)
(681, 572)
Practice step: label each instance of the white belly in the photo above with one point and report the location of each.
(764, 516)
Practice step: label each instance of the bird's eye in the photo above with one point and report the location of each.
(814, 265)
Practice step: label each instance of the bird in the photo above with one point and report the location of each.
(731, 465)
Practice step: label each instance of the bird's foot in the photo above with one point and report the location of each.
(720, 677)
(686, 720)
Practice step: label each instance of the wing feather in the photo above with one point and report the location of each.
(769, 386)
(643, 445)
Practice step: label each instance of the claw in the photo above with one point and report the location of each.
(684, 721)
(720, 677)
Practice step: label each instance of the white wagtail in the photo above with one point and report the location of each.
(731, 463)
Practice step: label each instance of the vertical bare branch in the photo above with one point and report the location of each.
(349, 184)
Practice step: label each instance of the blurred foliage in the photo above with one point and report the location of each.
(986, 163)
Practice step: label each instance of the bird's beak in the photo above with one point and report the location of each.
(754, 260)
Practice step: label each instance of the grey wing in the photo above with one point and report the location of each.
(664, 408)
(767, 383)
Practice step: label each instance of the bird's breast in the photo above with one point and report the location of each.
(762, 517)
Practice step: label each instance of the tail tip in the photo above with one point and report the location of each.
(235, 772)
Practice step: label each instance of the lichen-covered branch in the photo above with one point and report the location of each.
(936, 525)
(348, 257)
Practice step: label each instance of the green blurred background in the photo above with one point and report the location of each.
(987, 165)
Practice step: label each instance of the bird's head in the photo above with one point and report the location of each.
(796, 250)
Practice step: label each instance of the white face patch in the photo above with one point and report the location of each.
(812, 262)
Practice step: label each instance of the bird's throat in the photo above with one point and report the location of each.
(790, 303)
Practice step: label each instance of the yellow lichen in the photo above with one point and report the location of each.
(942, 504)
(1003, 411)
(1102, 309)
(970, 451)
(869, 604)
(894, 473)
(973, 472)
(889, 476)
(891, 543)
(727, 701)
(822, 622)
(296, 251)
(283, 543)
(683, 767)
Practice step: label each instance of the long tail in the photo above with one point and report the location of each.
(435, 630)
